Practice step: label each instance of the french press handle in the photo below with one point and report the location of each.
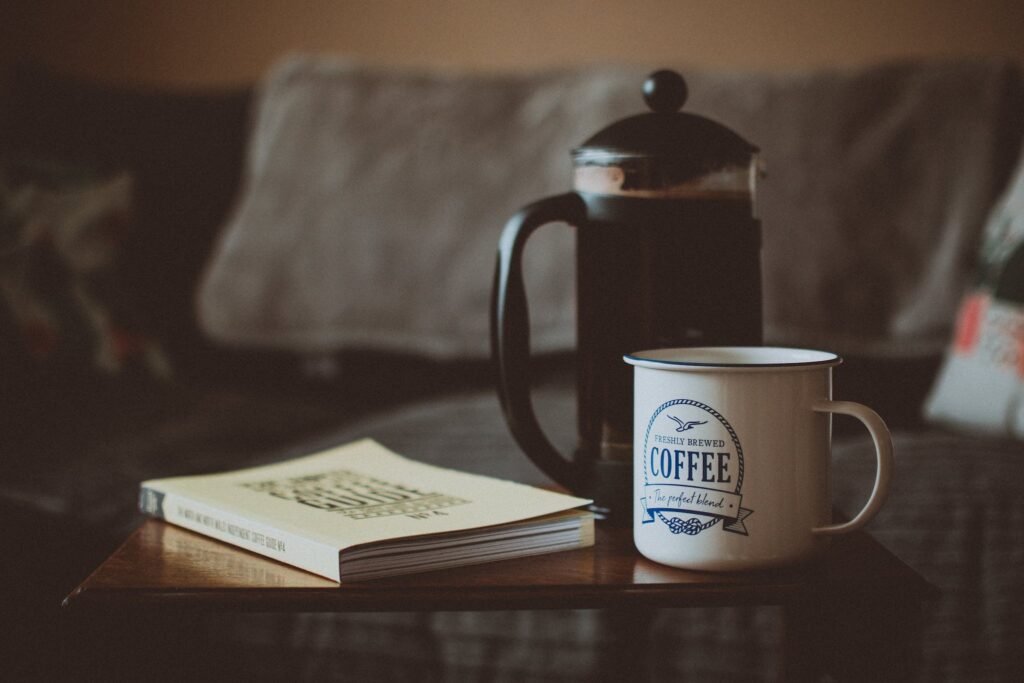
(510, 331)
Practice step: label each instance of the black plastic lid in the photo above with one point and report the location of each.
(692, 145)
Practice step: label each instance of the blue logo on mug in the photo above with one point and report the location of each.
(693, 470)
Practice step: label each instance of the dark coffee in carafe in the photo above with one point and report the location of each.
(667, 255)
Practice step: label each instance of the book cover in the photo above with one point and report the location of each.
(360, 511)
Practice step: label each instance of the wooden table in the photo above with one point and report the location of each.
(856, 613)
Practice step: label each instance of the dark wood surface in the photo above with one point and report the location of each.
(162, 566)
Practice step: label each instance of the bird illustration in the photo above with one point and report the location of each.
(684, 426)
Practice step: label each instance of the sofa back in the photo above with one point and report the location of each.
(879, 181)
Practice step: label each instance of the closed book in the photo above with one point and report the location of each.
(360, 511)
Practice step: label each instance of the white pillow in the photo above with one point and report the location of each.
(981, 385)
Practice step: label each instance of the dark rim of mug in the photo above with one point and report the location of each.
(829, 359)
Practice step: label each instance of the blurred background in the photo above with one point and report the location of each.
(231, 42)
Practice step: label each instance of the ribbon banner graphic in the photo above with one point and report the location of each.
(697, 500)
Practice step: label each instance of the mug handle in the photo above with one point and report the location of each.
(883, 474)
(510, 331)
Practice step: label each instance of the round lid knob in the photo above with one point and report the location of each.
(665, 91)
(672, 146)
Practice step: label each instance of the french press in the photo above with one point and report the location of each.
(667, 254)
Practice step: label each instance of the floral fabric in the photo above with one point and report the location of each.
(60, 235)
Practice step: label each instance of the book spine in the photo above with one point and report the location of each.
(256, 537)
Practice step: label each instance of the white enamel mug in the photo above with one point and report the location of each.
(732, 450)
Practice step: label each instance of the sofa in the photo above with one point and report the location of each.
(199, 281)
